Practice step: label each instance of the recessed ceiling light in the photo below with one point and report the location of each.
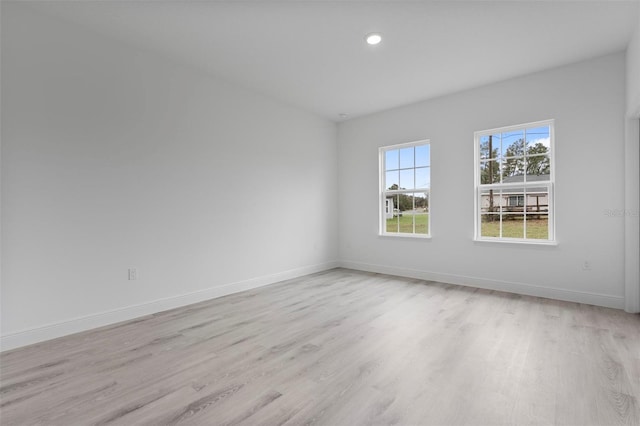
(343, 115)
(373, 38)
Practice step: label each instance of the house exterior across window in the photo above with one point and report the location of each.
(388, 208)
(514, 179)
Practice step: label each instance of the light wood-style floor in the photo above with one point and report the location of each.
(339, 348)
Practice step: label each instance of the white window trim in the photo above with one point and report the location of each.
(551, 241)
(383, 192)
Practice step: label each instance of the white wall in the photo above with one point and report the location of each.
(115, 158)
(633, 72)
(632, 175)
(587, 100)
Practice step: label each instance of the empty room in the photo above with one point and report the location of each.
(320, 212)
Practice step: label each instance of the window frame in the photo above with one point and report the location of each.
(385, 193)
(549, 185)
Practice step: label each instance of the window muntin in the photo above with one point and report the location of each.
(514, 183)
(405, 184)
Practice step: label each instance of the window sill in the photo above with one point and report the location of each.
(410, 236)
(518, 242)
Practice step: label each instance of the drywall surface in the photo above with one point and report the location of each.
(633, 73)
(114, 158)
(632, 176)
(587, 101)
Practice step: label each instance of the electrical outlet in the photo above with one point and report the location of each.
(133, 274)
(586, 265)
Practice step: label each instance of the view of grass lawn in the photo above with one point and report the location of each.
(537, 229)
(404, 224)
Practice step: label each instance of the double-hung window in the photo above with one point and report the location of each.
(514, 183)
(405, 184)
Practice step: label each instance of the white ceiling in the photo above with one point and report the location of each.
(312, 53)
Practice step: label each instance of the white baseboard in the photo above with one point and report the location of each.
(506, 286)
(75, 325)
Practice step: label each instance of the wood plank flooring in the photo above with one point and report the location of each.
(338, 348)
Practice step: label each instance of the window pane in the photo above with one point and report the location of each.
(490, 225)
(406, 179)
(513, 226)
(490, 200)
(406, 158)
(406, 213)
(537, 226)
(422, 223)
(421, 213)
(392, 180)
(423, 155)
(538, 140)
(537, 200)
(489, 147)
(423, 178)
(404, 202)
(391, 214)
(489, 172)
(513, 170)
(422, 201)
(513, 144)
(538, 168)
(391, 160)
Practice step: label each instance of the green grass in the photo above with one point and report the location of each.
(404, 224)
(537, 229)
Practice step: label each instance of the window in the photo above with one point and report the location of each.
(405, 183)
(514, 183)
(516, 200)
